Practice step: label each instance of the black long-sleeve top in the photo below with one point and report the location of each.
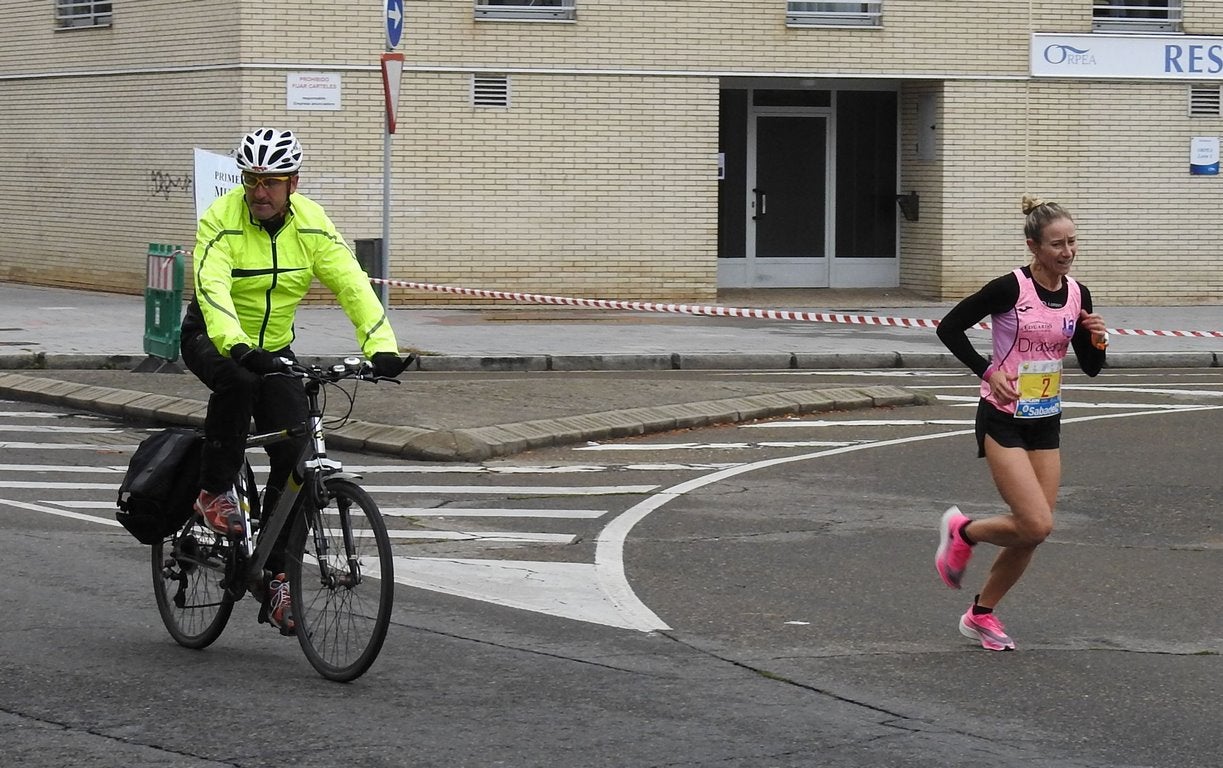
(1000, 295)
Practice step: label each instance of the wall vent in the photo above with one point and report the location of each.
(490, 90)
(1205, 102)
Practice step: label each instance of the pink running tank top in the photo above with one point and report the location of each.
(1030, 342)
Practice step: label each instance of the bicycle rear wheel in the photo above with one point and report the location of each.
(340, 570)
(188, 571)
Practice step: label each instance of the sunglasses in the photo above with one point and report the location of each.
(251, 181)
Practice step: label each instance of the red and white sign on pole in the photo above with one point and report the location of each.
(392, 74)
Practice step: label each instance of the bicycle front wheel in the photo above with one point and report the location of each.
(188, 573)
(343, 580)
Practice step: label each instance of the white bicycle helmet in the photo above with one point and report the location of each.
(267, 150)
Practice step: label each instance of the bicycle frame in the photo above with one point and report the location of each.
(305, 482)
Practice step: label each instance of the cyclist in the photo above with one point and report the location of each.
(258, 249)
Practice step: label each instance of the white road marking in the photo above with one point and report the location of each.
(525, 469)
(472, 469)
(880, 374)
(854, 423)
(687, 447)
(557, 514)
(569, 590)
(513, 490)
(68, 447)
(515, 537)
(60, 512)
(45, 415)
(50, 486)
(1071, 404)
(61, 468)
(59, 430)
(1144, 390)
(810, 443)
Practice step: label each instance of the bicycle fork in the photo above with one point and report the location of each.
(332, 577)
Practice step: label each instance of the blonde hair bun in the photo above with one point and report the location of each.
(1031, 203)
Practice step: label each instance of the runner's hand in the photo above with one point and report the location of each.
(1003, 387)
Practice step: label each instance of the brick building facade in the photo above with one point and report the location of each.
(635, 149)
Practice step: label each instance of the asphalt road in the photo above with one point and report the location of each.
(760, 595)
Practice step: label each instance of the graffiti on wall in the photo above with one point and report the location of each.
(166, 184)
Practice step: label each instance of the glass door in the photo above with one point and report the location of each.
(807, 188)
(788, 199)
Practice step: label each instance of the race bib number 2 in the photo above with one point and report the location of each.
(1040, 389)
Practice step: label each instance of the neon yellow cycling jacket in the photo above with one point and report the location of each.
(248, 283)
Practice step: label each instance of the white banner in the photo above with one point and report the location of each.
(1155, 57)
(214, 176)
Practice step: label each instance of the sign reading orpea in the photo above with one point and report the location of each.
(1155, 57)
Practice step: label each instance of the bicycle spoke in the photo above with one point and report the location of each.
(342, 620)
(188, 576)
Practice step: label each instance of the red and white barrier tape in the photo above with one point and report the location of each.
(682, 309)
(716, 311)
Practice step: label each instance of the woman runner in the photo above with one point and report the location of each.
(1036, 312)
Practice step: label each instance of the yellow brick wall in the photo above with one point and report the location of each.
(1116, 154)
(143, 34)
(585, 185)
(726, 36)
(921, 241)
(84, 191)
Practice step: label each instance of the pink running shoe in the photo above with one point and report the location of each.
(987, 629)
(953, 552)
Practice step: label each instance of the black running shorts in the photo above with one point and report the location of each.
(1030, 434)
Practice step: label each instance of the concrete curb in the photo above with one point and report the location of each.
(33, 361)
(479, 443)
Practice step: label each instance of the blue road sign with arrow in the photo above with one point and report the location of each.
(394, 22)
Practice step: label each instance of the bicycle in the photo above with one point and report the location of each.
(337, 560)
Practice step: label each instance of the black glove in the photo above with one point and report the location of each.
(389, 364)
(258, 361)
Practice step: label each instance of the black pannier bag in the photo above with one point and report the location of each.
(161, 484)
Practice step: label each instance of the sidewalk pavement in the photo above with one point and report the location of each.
(495, 380)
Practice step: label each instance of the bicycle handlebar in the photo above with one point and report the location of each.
(348, 368)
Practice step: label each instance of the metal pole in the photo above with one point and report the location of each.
(385, 266)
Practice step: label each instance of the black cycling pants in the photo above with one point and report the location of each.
(275, 402)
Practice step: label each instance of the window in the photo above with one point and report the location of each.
(1136, 16)
(526, 10)
(834, 14)
(71, 14)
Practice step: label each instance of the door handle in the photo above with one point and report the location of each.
(760, 204)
